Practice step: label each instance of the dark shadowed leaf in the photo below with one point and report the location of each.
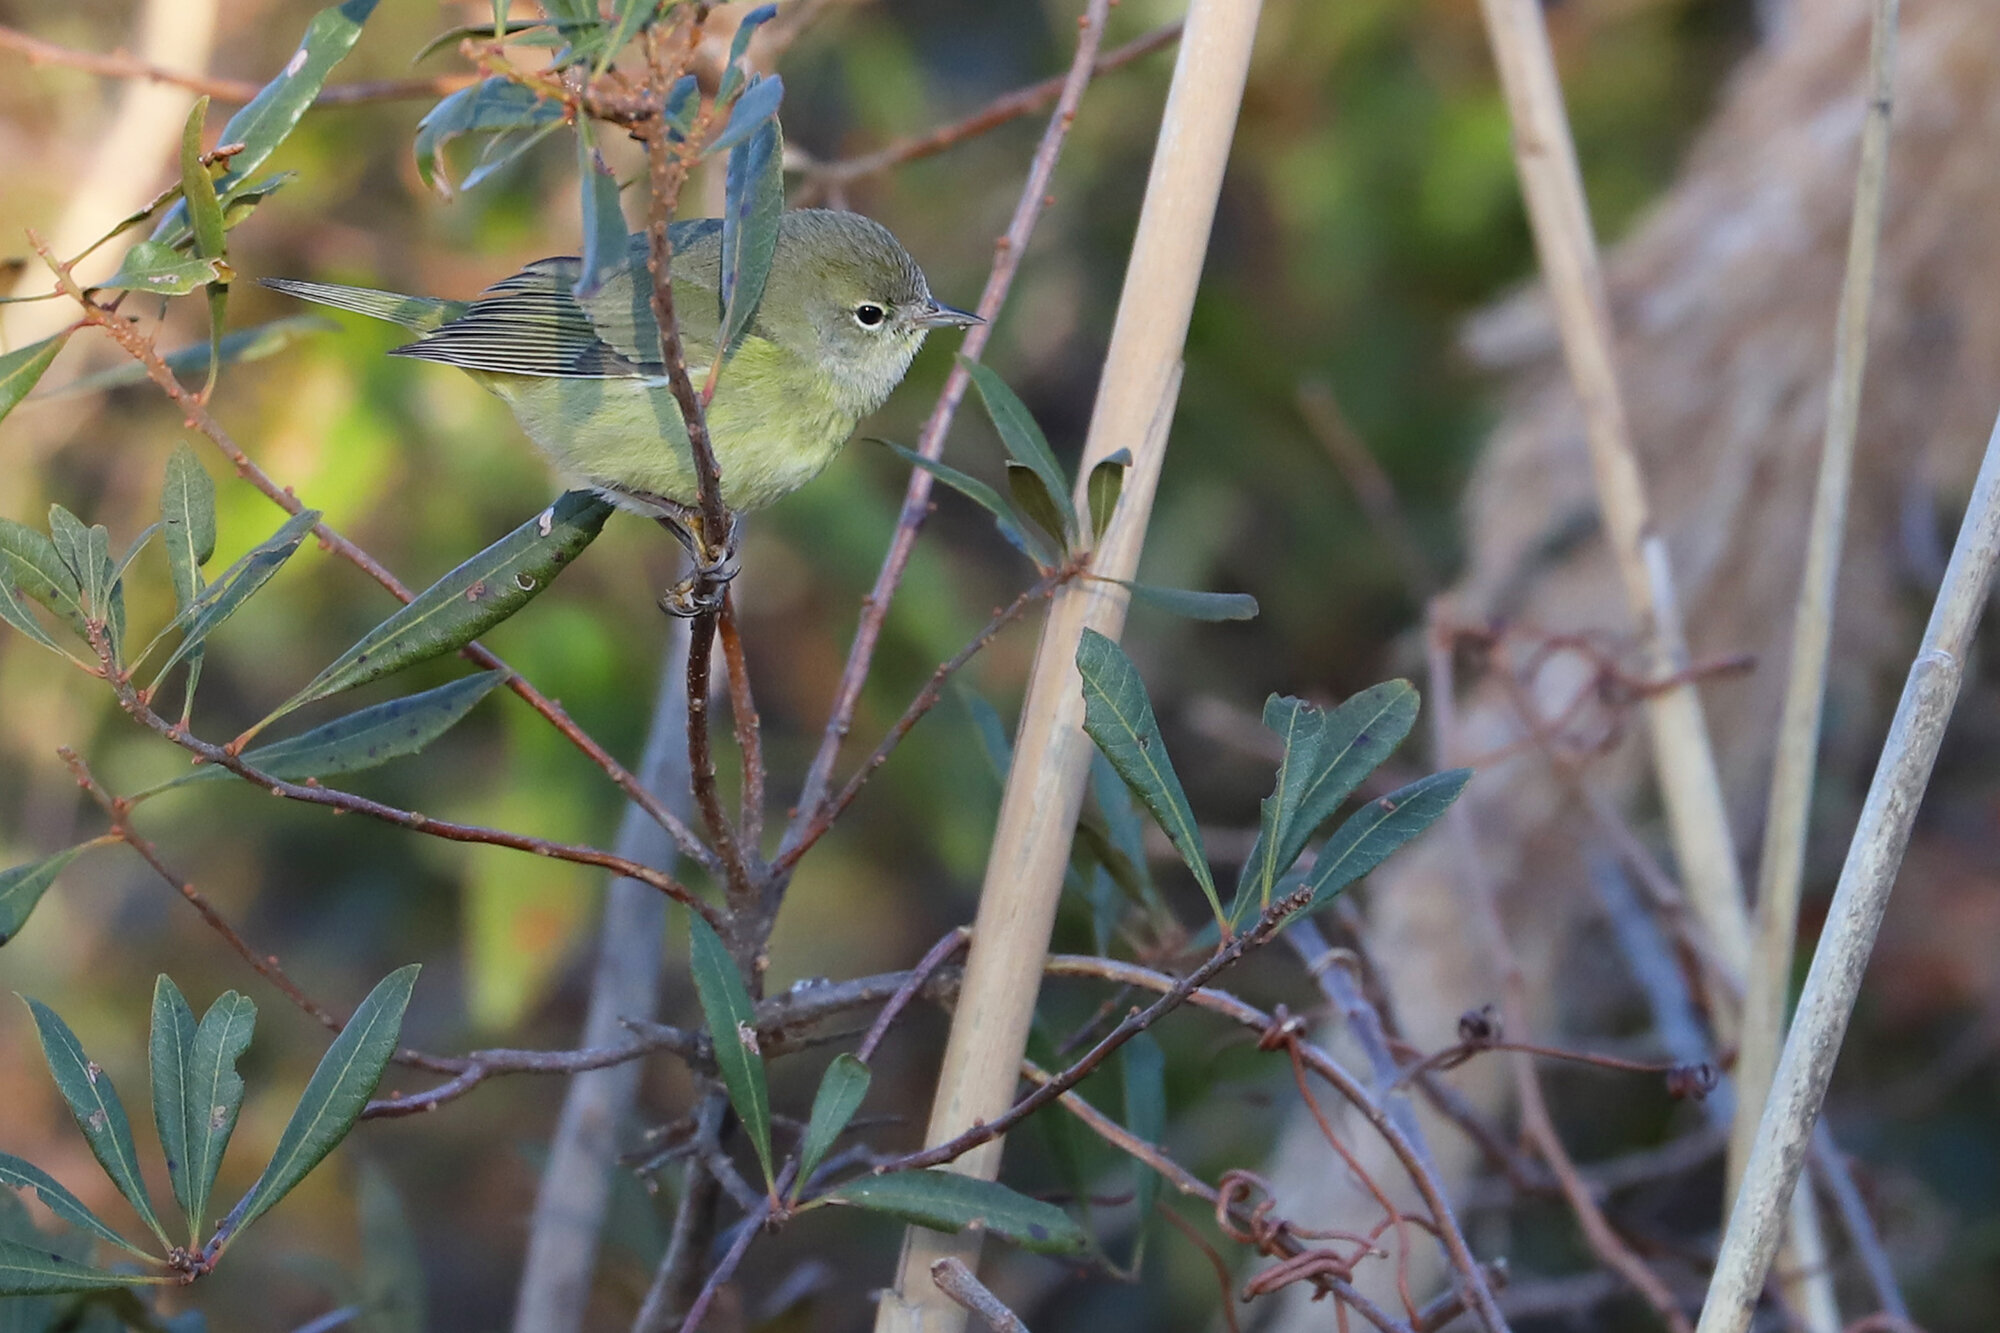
(758, 104)
(1379, 828)
(1118, 716)
(841, 1090)
(30, 1270)
(732, 1027)
(1144, 1067)
(21, 1175)
(467, 602)
(251, 344)
(1107, 482)
(270, 116)
(947, 1201)
(1023, 439)
(493, 106)
(1191, 605)
(334, 1096)
(754, 200)
(220, 600)
(22, 368)
(994, 742)
(99, 1113)
(605, 245)
(977, 491)
(156, 267)
(211, 1094)
(1031, 495)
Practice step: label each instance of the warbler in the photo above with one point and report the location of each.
(843, 313)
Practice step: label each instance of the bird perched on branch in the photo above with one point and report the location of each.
(843, 313)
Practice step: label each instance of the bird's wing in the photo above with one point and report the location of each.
(420, 313)
(533, 324)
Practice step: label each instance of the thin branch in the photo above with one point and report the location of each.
(955, 1280)
(749, 728)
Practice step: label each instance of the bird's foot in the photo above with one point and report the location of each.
(712, 565)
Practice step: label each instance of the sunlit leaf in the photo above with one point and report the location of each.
(841, 1090)
(977, 491)
(198, 187)
(732, 1028)
(1023, 439)
(467, 602)
(947, 1201)
(245, 345)
(334, 1096)
(1118, 716)
(99, 1113)
(22, 369)
(755, 198)
(17, 1174)
(155, 266)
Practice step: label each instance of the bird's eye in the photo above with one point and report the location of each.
(868, 314)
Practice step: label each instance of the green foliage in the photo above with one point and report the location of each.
(753, 200)
(1107, 483)
(841, 1090)
(514, 116)
(22, 886)
(208, 609)
(197, 1092)
(19, 1175)
(947, 1201)
(986, 498)
(1024, 442)
(158, 268)
(22, 368)
(732, 1029)
(1143, 1066)
(1379, 828)
(606, 244)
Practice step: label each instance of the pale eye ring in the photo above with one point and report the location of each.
(868, 314)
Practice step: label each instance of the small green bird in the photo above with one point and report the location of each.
(843, 313)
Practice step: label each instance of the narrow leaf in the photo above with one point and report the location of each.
(334, 1096)
(732, 1027)
(252, 344)
(1192, 605)
(631, 16)
(32, 1270)
(986, 498)
(1107, 482)
(14, 610)
(22, 368)
(505, 149)
(364, 739)
(758, 104)
(221, 599)
(187, 510)
(491, 106)
(1118, 716)
(198, 187)
(841, 1090)
(22, 1175)
(1023, 439)
(156, 267)
(484, 31)
(755, 199)
(1144, 1067)
(467, 602)
(171, 1052)
(947, 1201)
(1379, 828)
(1032, 496)
(605, 243)
(266, 120)
(38, 570)
(735, 73)
(214, 1095)
(99, 1113)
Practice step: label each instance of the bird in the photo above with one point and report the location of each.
(842, 314)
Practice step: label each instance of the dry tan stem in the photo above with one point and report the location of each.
(1051, 757)
(1785, 817)
(1880, 837)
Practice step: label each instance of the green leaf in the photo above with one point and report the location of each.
(841, 1090)
(1379, 828)
(754, 199)
(22, 368)
(1031, 494)
(732, 1027)
(1144, 1067)
(1191, 605)
(679, 108)
(605, 240)
(243, 199)
(361, 740)
(171, 1050)
(1107, 482)
(21, 1175)
(37, 568)
(631, 16)
(196, 1090)
(737, 71)
(1023, 439)
(15, 612)
(220, 600)
(30, 1270)
(1118, 716)
(483, 31)
(86, 553)
(187, 511)
(99, 1113)
(757, 105)
(492, 106)
(334, 1096)
(947, 1201)
(245, 345)
(198, 187)
(155, 266)
(986, 498)
(994, 742)
(467, 602)
(269, 117)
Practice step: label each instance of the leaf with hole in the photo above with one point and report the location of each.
(1118, 716)
(1023, 439)
(467, 602)
(947, 1201)
(99, 1113)
(841, 1090)
(732, 1028)
(22, 369)
(334, 1096)
(156, 267)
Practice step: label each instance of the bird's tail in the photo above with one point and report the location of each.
(420, 314)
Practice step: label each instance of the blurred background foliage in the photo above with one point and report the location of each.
(1371, 205)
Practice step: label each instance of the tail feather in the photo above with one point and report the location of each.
(420, 314)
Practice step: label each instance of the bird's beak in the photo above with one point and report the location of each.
(938, 315)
